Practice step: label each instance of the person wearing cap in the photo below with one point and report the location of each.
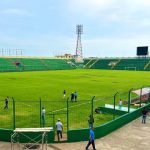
(91, 139)
(59, 128)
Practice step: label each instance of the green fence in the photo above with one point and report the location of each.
(73, 115)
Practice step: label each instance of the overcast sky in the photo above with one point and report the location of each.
(48, 27)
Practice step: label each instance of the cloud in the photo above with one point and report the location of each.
(16, 12)
(94, 5)
(89, 7)
(114, 47)
(111, 10)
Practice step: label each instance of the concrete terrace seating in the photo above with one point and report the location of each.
(37, 64)
(104, 64)
(56, 64)
(32, 64)
(88, 63)
(7, 65)
(132, 64)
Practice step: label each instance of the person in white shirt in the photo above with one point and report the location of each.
(43, 116)
(59, 128)
(64, 93)
(120, 104)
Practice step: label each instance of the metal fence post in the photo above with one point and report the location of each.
(53, 121)
(149, 96)
(92, 106)
(129, 99)
(141, 96)
(67, 114)
(14, 114)
(40, 112)
(114, 105)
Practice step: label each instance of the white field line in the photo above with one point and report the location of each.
(72, 106)
(26, 104)
(69, 107)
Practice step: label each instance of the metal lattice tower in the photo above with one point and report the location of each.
(79, 31)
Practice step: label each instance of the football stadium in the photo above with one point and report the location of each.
(82, 94)
(34, 83)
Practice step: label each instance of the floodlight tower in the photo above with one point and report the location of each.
(79, 31)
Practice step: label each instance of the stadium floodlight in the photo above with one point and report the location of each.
(79, 55)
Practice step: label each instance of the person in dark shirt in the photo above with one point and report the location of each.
(64, 93)
(91, 121)
(75, 96)
(6, 103)
(72, 97)
(144, 115)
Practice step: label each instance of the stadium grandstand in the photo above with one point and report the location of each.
(9, 64)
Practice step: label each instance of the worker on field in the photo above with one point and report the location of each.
(64, 93)
(72, 97)
(90, 121)
(120, 104)
(43, 116)
(59, 128)
(6, 102)
(75, 96)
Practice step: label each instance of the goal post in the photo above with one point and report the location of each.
(130, 68)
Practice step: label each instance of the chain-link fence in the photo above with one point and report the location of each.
(100, 115)
(73, 115)
(27, 114)
(78, 114)
(6, 113)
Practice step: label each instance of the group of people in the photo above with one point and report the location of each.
(73, 96)
(91, 122)
(59, 128)
(144, 112)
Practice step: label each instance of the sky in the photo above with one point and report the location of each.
(111, 28)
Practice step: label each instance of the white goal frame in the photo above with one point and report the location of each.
(130, 68)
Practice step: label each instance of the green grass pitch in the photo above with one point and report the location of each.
(28, 87)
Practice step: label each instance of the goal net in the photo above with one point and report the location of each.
(130, 68)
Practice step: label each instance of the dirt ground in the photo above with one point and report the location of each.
(133, 136)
